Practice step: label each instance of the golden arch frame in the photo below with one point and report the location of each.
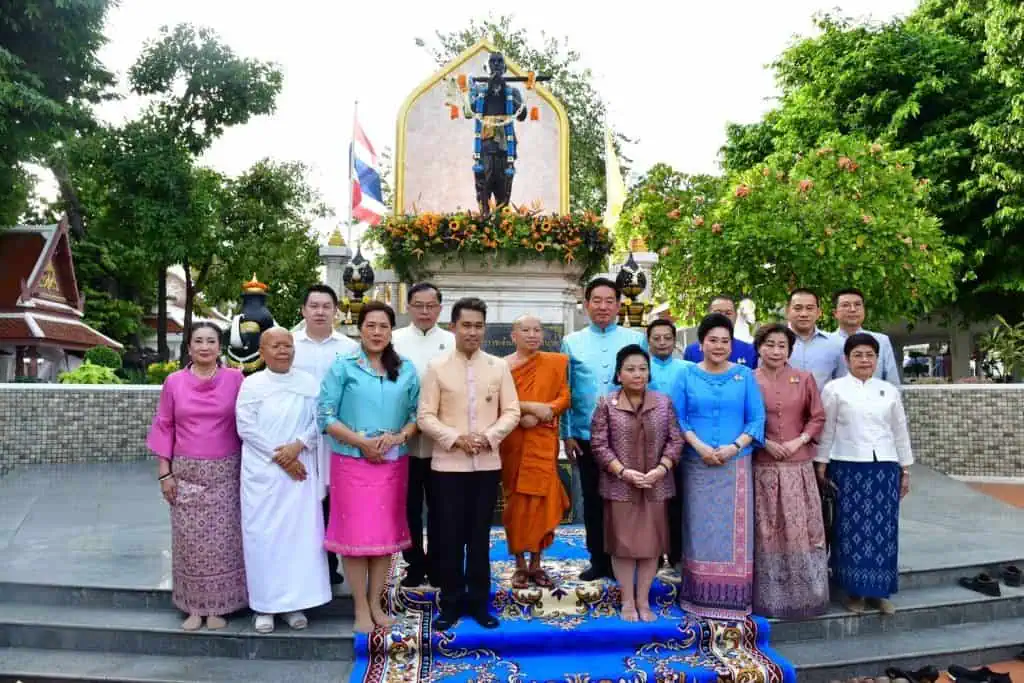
(445, 72)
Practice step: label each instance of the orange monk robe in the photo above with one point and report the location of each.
(535, 499)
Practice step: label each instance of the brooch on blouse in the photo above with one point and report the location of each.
(737, 378)
(742, 361)
(794, 380)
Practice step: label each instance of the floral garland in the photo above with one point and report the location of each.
(413, 243)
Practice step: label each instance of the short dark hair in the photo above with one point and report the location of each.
(722, 297)
(859, 339)
(422, 287)
(775, 328)
(624, 353)
(803, 290)
(320, 289)
(710, 322)
(601, 282)
(468, 303)
(660, 322)
(846, 291)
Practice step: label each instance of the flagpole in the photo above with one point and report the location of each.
(351, 167)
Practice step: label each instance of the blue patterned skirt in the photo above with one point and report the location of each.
(866, 549)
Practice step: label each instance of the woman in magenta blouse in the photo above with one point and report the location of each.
(193, 434)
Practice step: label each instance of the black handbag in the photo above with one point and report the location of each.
(828, 512)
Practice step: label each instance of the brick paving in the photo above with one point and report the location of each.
(1008, 493)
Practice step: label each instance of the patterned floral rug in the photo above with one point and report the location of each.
(571, 633)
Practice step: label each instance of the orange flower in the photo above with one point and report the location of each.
(866, 218)
(806, 185)
(539, 247)
(698, 221)
(674, 214)
(463, 82)
(844, 162)
(717, 228)
(569, 258)
(534, 113)
(742, 191)
(453, 112)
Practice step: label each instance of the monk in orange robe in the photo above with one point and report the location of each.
(535, 499)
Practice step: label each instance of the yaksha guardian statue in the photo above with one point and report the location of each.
(248, 326)
(495, 106)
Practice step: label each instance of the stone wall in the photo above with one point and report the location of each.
(961, 429)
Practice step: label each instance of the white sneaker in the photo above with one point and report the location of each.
(264, 623)
(296, 620)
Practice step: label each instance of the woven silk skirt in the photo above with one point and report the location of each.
(368, 516)
(866, 548)
(207, 560)
(790, 561)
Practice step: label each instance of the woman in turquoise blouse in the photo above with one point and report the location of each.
(367, 408)
(721, 414)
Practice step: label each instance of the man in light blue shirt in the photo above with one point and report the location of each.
(592, 352)
(665, 370)
(815, 351)
(850, 311)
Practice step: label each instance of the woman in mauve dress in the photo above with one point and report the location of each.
(721, 414)
(194, 437)
(790, 561)
(367, 408)
(636, 442)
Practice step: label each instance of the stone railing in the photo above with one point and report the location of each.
(966, 430)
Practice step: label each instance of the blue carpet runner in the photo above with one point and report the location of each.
(571, 633)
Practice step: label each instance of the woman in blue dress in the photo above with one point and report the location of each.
(721, 414)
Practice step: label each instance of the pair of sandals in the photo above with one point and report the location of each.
(522, 578)
(264, 623)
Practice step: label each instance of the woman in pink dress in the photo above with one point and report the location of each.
(367, 408)
(790, 562)
(193, 435)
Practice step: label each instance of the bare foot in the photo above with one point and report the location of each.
(646, 614)
(193, 623)
(364, 623)
(216, 623)
(629, 612)
(382, 619)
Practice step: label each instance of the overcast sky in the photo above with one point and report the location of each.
(673, 73)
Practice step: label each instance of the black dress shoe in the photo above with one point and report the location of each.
(445, 621)
(1012, 575)
(982, 583)
(984, 674)
(593, 573)
(486, 619)
(928, 674)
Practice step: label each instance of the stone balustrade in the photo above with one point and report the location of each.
(966, 430)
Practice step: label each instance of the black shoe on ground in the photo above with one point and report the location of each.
(1012, 576)
(413, 580)
(485, 619)
(928, 674)
(593, 573)
(445, 622)
(982, 583)
(984, 675)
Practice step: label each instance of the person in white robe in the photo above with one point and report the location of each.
(282, 518)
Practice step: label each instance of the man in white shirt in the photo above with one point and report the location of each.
(849, 309)
(421, 342)
(316, 347)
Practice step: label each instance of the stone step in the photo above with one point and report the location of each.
(869, 655)
(35, 666)
(951, 571)
(127, 598)
(917, 608)
(158, 632)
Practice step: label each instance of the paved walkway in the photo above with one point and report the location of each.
(106, 525)
(1012, 494)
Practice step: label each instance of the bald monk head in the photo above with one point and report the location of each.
(527, 334)
(277, 349)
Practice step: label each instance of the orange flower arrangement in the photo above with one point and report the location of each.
(414, 242)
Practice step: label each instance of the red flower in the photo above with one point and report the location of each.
(742, 191)
(866, 218)
(673, 214)
(806, 185)
(698, 221)
(717, 228)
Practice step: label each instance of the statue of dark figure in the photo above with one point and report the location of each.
(496, 104)
(248, 326)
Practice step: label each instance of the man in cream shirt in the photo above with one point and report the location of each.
(316, 347)
(421, 342)
(468, 405)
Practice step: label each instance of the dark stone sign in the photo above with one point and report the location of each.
(498, 339)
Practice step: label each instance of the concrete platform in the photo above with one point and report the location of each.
(85, 575)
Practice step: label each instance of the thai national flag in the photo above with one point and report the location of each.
(367, 198)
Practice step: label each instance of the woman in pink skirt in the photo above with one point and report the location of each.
(198, 451)
(368, 411)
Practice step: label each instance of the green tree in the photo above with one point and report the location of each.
(848, 214)
(265, 226)
(918, 84)
(50, 74)
(570, 82)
